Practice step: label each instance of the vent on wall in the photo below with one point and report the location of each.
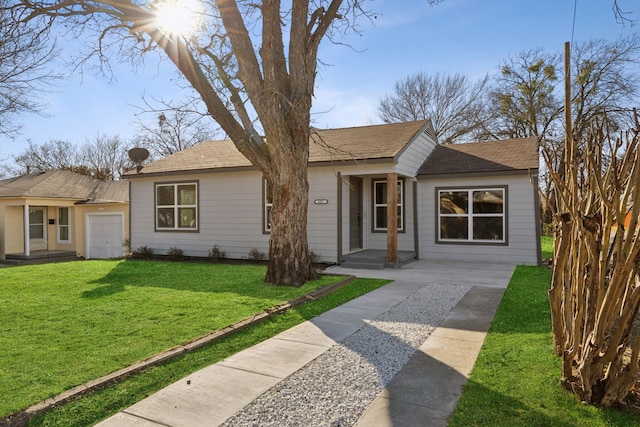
(430, 132)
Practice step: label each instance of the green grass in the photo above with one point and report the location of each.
(104, 403)
(64, 324)
(516, 379)
(547, 247)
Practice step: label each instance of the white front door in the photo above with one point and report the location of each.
(38, 228)
(105, 236)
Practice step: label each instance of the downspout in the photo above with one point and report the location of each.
(339, 220)
(536, 202)
(416, 232)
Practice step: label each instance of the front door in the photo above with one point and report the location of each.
(37, 229)
(355, 213)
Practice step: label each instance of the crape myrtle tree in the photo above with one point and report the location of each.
(253, 64)
(595, 285)
(595, 289)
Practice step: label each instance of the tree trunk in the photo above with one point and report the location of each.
(290, 263)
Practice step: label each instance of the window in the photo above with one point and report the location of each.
(473, 215)
(267, 204)
(63, 225)
(177, 206)
(380, 205)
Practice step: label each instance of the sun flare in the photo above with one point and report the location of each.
(178, 17)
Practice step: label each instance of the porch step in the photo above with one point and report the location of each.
(40, 257)
(364, 264)
(370, 259)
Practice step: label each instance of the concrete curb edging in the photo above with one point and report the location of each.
(21, 418)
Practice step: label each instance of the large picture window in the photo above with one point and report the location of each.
(177, 206)
(380, 205)
(472, 215)
(64, 235)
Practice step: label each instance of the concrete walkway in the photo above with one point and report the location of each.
(424, 392)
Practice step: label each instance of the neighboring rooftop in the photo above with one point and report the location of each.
(345, 144)
(482, 157)
(63, 184)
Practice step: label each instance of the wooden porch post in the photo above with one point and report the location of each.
(27, 249)
(392, 218)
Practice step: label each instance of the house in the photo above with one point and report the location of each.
(59, 212)
(456, 202)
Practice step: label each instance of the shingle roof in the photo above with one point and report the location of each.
(63, 184)
(482, 157)
(355, 143)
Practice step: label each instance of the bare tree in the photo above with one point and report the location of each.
(523, 100)
(607, 80)
(103, 158)
(174, 131)
(255, 88)
(25, 51)
(452, 103)
(52, 155)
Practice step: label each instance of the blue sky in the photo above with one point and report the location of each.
(471, 37)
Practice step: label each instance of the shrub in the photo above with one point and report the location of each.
(256, 255)
(216, 254)
(175, 253)
(144, 252)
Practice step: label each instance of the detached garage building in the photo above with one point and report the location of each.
(62, 214)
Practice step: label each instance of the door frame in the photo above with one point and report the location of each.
(356, 213)
(39, 244)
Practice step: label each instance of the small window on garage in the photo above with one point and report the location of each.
(474, 215)
(64, 229)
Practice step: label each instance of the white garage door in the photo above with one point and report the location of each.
(105, 235)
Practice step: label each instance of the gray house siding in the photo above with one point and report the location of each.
(412, 157)
(229, 215)
(522, 235)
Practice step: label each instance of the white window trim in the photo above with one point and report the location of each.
(176, 206)
(68, 226)
(266, 228)
(379, 205)
(471, 215)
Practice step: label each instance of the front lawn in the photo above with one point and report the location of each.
(546, 245)
(516, 379)
(64, 324)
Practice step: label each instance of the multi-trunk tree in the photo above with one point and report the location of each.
(595, 285)
(595, 289)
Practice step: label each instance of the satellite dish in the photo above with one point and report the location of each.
(137, 156)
